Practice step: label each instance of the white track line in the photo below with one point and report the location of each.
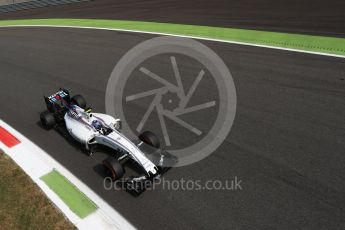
(184, 36)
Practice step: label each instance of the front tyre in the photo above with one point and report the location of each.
(113, 168)
(150, 138)
(79, 100)
(47, 120)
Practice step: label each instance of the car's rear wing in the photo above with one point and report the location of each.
(57, 100)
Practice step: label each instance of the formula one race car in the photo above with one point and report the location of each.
(96, 129)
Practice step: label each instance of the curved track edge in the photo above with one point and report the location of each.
(320, 45)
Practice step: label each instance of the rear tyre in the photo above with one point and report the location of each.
(150, 138)
(79, 100)
(47, 120)
(113, 168)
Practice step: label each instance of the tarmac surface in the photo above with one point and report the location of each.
(286, 145)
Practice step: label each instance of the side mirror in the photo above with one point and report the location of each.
(118, 124)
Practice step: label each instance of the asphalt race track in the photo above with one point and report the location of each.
(296, 16)
(287, 144)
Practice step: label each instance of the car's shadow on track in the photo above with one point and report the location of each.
(67, 137)
(98, 168)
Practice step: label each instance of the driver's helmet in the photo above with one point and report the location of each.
(97, 125)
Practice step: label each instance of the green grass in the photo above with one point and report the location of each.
(328, 45)
(75, 200)
(22, 204)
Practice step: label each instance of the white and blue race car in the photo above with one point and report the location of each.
(95, 129)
